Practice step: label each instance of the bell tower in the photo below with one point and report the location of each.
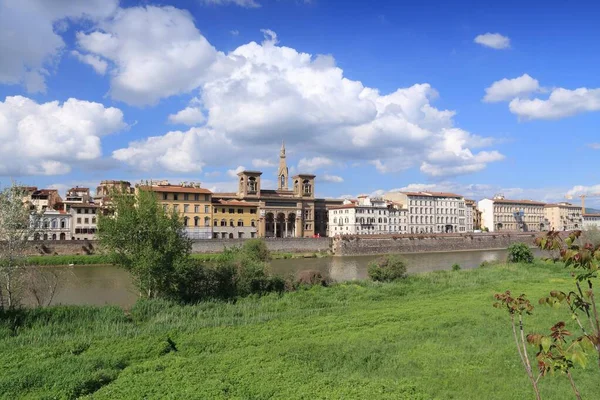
(282, 174)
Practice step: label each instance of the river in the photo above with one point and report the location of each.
(107, 284)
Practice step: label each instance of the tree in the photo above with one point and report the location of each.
(148, 241)
(17, 225)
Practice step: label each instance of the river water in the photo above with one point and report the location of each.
(107, 284)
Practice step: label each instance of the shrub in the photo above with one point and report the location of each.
(456, 267)
(312, 277)
(387, 269)
(520, 253)
(256, 249)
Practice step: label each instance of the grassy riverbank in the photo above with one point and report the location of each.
(99, 259)
(432, 336)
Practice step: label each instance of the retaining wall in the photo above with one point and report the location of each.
(291, 245)
(363, 245)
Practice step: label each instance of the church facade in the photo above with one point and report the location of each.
(286, 211)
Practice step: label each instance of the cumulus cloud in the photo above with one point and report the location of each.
(493, 40)
(188, 116)
(48, 138)
(595, 146)
(331, 178)
(507, 89)
(95, 62)
(261, 93)
(312, 164)
(30, 42)
(585, 190)
(241, 3)
(155, 52)
(262, 163)
(561, 103)
(233, 172)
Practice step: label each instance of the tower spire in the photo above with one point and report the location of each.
(283, 169)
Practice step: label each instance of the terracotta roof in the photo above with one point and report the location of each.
(78, 189)
(234, 203)
(530, 202)
(562, 205)
(175, 189)
(343, 206)
(591, 215)
(433, 194)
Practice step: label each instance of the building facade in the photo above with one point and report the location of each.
(84, 221)
(398, 217)
(234, 219)
(563, 217)
(365, 216)
(591, 221)
(432, 212)
(470, 212)
(53, 225)
(189, 200)
(500, 214)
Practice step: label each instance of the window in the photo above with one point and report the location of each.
(87, 221)
(196, 197)
(240, 222)
(186, 208)
(53, 224)
(223, 210)
(79, 211)
(207, 221)
(196, 209)
(240, 210)
(93, 210)
(63, 223)
(231, 222)
(186, 197)
(176, 207)
(78, 221)
(223, 222)
(165, 196)
(253, 223)
(175, 196)
(206, 197)
(94, 220)
(232, 211)
(253, 211)
(196, 221)
(206, 209)
(216, 223)
(216, 210)
(185, 221)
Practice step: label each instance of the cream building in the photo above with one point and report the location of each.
(591, 221)
(398, 217)
(432, 212)
(500, 214)
(84, 221)
(470, 213)
(364, 216)
(53, 225)
(563, 217)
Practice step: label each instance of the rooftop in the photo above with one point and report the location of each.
(174, 189)
(234, 203)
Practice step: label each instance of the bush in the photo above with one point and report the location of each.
(256, 249)
(312, 277)
(520, 253)
(387, 269)
(456, 267)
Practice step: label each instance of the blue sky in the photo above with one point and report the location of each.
(369, 96)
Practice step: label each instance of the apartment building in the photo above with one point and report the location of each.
(364, 216)
(563, 216)
(43, 199)
(591, 221)
(84, 217)
(235, 219)
(470, 213)
(398, 217)
(432, 212)
(192, 202)
(500, 214)
(52, 225)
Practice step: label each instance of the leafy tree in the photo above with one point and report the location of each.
(520, 253)
(148, 241)
(17, 226)
(387, 269)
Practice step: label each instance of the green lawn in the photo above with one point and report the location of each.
(433, 336)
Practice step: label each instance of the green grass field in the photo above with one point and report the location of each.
(432, 336)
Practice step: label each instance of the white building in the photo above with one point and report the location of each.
(398, 217)
(84, 221)
(500, 214)
(591, 221)
(52, 225)
(365, 216)
(469, 214)
(432, 212)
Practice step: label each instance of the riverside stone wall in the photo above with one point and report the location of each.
(349, 245)
(363, 245)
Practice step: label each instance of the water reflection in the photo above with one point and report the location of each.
(107, 284)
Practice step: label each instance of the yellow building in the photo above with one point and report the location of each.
(192, 202)
(235, 219)
(563, 216)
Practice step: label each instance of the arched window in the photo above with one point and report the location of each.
(63, 224)
(207, 221)
(335, 220)
(346, 220)
(379, 220)
(307, 188)
(216, 223)
(252, 184)
(231, 222)
(54, 224)
(223, 222)
(240, 222)
(253, 223)
(93, 220)
(421, 219)
(196, 221)
(185, 221)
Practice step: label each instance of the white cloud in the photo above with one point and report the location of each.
(493, 40)
(595, 146)
(48, 138)
(188, 116)
(507, 89)
(95, 62)
(241, 3)
(261, 93)
(586, 190)
(331, 178)
(234, 32)
(233, 172)
(312, 164)
(30, 42)
(262, 163)
(156, 51)
(561, 103)
(176, 151)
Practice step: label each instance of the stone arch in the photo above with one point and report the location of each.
(291, 225)
(63, 236)
(270, 225)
